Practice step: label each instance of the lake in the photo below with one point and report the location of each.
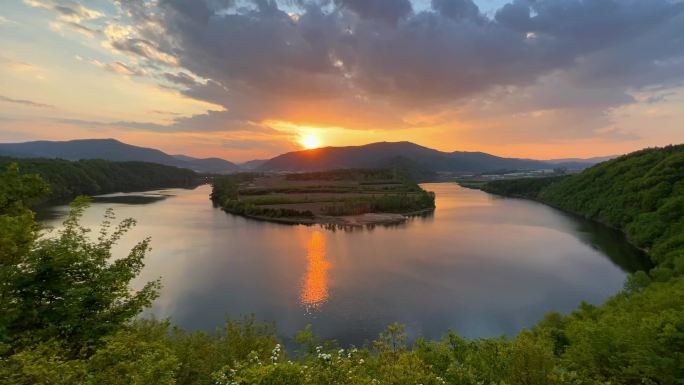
(481, 265)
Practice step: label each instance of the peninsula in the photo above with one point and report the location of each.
(353, 197)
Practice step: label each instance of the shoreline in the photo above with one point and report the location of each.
(343, 220)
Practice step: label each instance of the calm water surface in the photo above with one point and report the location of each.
(481, 265)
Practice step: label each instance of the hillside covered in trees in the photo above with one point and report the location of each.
(68, 317)
(67, 179)
(641, 194)
(423, 160)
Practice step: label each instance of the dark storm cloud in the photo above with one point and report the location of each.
(390, 11)
(366, 51)
(458, 9)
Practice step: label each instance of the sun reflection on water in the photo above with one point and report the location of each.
(314, 291)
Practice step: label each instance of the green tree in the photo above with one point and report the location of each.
(138, 354)
(70, 287)
(18, 231)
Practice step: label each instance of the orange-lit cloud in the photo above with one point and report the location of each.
(524, 79)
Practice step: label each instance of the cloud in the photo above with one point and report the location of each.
(390, 11)
(181, 78)
(435, 55)
(119, 68)
(388, 64)
(24, 102)
(212, 121)
(167, 113)
(67, 10)
(4, 20)
(458, 9)
(71, 14)
(17, 65)
(80, 28)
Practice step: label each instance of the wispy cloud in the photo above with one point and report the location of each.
(4, 20)
(166, 113)
(24, 102)
(17, 65)
(119, 68)
(71, 14)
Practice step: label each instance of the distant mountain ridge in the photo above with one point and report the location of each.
(594, 160)
(383, 153)
(419, 159)
(114, 150)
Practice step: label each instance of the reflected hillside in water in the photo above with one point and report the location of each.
(131, 199)
(423, 217)
(50, 212)
(614, 245)
(610, 242)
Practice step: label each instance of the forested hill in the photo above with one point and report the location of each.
(69, 179)
(410, 155)
(641, 193)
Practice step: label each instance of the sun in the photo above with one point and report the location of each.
(310, 141)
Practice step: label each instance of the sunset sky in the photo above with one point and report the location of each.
(255, 78)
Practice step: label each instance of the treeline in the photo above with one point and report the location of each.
(399, 203)
(346, 174)
(226, 192)
(251, 210)
(641, 194)
(364, 177)
(520, 188)
(69, 179)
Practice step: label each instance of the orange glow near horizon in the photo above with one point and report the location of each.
(315, 284)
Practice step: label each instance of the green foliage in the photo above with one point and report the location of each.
(364, 176)
(69, 287)
(400, 203)
(18, 231)
(95, 176)
(137, 355)
(43, 364)
(17, 193)
(520, 188)
(635, 338)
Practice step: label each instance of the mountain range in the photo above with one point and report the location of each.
(594, 160)
(112, 149)
(382, 154)
(417, 157)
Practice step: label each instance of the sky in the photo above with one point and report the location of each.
(250, 79)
